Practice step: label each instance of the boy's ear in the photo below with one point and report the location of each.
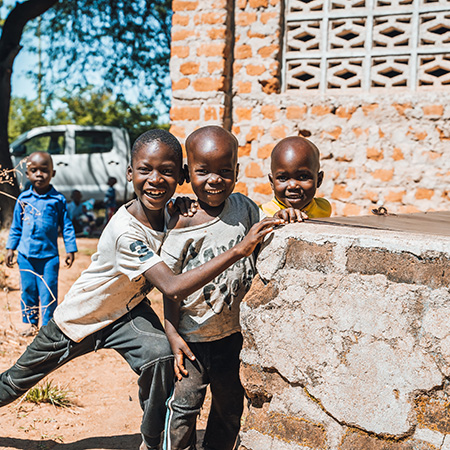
(129, 173)
(54, 173)
(237, 170)
(319, 178)
(185, 172)
(271, 180)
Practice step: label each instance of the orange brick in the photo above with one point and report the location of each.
(241, 4)
(320, 110)
(409, 209)
(216, 66)
(345, 113)
(266, 16)
(339, 192)
(344, 158)
(381, 133)
(424, 194)
(265, 151)
(397, 154)
(213, 18)
(217, 33)
(333, 174)
(295, 112)
(351, 173)
(245, 18)
(263, 188)
(219, 4)
(268, 50)
(371, 195)
(258, 3)
(241, 187)
(274, 68)
(421, 135)
(253, 69)
(359, 131)
(432, 154)
(253, 170)
(433, 110)
(211, 50)
(243, 52)
(181, 51)
(208, 84)
(278, 131)
(374, 153)
(383, 174)
(180, 5)
(367, 109)
(351, 209)
(446, 195)
(181, 84)
(210, 113)
(244, 150)
(178, 131)
(244, 87)
(254, 133)
(401, 107)
(271, 86)
(443, 135)
(253, 35)
(270, 111)
(394, 196)
(181, 35)
(189, 68)
(178, 19)
(274, 2)
(335, 133)
(236, 67)
(236, 130)
(243, 114)
(185, 188)
(185, 113)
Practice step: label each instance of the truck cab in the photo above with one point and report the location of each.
(84, 157)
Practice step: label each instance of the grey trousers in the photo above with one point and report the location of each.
(138, 336)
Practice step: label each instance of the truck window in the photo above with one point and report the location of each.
(93, 142)
(52, 143)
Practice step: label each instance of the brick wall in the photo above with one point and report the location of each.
(377, 149)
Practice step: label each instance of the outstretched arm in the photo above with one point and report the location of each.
(178, 287)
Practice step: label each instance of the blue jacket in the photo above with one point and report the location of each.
(37, 218)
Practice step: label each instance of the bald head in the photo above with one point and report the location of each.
(41, 158)
(296, 148)
(207, 139)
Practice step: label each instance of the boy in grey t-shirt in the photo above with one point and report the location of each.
(208, 319)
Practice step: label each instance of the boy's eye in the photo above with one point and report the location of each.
(201, 171)
(281, 178)
(167, 172)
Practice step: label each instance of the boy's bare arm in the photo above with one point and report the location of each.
(177, 343)
(178, 287)
(10, 257)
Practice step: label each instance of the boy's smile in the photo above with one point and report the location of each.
(213, 170)
(295, 174)
(155, 172)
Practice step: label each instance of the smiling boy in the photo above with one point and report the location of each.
(295, 176)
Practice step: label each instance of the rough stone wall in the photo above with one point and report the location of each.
(387, 148)
(347, 341)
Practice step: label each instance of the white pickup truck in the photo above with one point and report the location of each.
(84, 157)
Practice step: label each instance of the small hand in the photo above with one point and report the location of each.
(179, 350)
(70, 257)
(9, 259)
(257, 233)
(291, 215)
(185, 205)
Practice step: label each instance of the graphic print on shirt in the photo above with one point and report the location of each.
(141, 248)
(230, 283)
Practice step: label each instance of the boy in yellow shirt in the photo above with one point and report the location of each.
(295, 176)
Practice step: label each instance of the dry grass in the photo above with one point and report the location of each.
(49, 393)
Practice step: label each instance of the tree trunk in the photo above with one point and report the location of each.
(9, 48)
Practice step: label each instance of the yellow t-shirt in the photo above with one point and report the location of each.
(318, 207)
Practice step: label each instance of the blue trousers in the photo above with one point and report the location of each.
(35, 288)
(138, 337)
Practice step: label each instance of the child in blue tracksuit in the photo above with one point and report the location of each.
(39, 212)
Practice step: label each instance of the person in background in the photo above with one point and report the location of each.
(110, 199)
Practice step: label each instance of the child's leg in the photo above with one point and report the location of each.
(28, 284)
(227, 394)
(139, 337)
(186, 401)
(50, 349)
(48, 288)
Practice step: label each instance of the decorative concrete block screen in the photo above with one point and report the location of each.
(361, 45)
(368, 81)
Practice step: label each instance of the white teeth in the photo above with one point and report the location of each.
(214, 192)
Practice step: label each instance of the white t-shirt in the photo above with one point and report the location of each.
(113, 284)
(212, 313)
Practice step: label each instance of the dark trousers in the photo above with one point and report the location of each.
(138, 336)
(217, 364)
(38, 281)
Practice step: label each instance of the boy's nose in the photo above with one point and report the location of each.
(154, 177)
(214, 178)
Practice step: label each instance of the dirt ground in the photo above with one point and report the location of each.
(103, 388)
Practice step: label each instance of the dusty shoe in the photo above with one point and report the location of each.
(31, 331)
(143, 446)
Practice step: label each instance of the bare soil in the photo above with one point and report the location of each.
(106, 413)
